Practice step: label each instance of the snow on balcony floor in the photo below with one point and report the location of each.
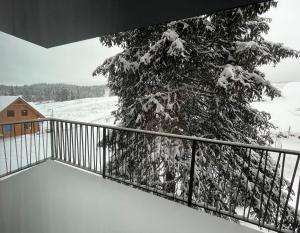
(56, 198)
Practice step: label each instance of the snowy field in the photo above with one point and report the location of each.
(285, 115)
(92, 110)
(285, 112)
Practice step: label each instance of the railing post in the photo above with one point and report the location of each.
(104, 152)
(52, 138)
(192, 171)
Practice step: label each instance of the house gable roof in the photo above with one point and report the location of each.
(5, 101)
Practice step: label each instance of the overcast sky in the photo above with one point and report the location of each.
(22, 62)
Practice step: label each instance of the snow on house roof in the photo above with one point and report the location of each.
(7, 100)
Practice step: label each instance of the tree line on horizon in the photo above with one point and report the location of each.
(56, 92)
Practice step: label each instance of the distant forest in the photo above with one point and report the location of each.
(56, 92)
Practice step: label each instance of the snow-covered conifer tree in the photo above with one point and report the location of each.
(198, 77)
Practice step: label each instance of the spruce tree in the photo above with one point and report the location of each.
(198, 77)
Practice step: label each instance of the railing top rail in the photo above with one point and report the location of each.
(199, 139)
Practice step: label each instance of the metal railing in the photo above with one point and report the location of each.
(23, 145)
(254, 184)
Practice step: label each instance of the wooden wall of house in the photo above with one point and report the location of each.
(9, 130)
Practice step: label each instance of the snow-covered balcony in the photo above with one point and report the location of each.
(62, 179)
(53, 197)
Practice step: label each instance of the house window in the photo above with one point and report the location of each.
(7, 128)
(24, 112)
(10, 113)
(27, 126)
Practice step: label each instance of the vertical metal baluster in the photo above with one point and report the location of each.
(121, 171)
(110, 144)
(52, 139)
(59, 139)
(55, 139)
(71, 144)
(231, 183)
(256, 179)
(26, 147)
(79, 156)
(62, 141)
(146, 159)
(134, 150)
(219, 165)
(114, 150)
(76, 147)
(35, 151)
(104, 152)
(160, 157)
(296, 209)
(271, 188)
(4, 149)
(10, 161)
(87, 151)
(97, 145)
(39, 148)
(93, 148)
(173, 167)
(66, 142)
(262, 190)
(119, 156)
(21, 148)
(280, 188)
(247, 182)
(78, 127)
(240, 180)
(192, 170)
(82, 155)
(289, 194)
(226, 172)
(73, 133)
(129, 142)
(16, 146)
(152, 162)
(43, 137)
(62, 137)
(116, 153)
(88, 148)
(83, 145)
(139, 150)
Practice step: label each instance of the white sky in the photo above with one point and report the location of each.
(22, 62)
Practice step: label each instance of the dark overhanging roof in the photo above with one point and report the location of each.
(56, 22)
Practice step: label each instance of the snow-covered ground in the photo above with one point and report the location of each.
(285, 112)
(92, 110)
(285, 115)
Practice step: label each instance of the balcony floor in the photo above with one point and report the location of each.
(56, 198)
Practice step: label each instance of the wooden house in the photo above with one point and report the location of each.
(14, 109)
